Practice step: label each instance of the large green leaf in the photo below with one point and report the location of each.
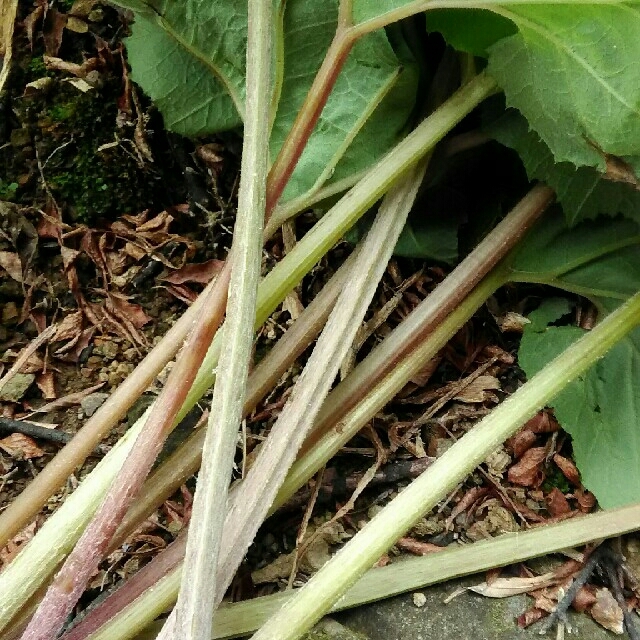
(597, 258)
(600, 410)
(583, 191)
(470, 30)
(574, 73)
(190, 58)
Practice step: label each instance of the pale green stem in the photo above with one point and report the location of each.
(199, 590)
(241, 618)
(362, 551)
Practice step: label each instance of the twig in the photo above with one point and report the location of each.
(610, 562)
(560, 612)
(7, 425)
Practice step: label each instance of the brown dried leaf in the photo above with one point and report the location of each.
(11, 263)
(527, 472)
(69, 400)
(417, 547)
(586, 499)
(521, 442)
(14, 546)
(478, 390)
(130, 312)
(568, 468)
(31, 21)
(505, 587)
(606, 612)
(466, 502)
(556, 502)
(529, 617)
(201, 273)
(543, 422)
(47, 384)
(21, 447)
(69, 327)
(184, 294)
(53, 30)
(585, 598)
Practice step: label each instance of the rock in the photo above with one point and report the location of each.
(16, 387)
(466, 617)
(92, 403)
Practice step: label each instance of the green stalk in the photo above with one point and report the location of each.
(362, 551)
(241, 618)
(58, 535)
(333, 439)
(143, 610)
(344, 214)
(198, 588)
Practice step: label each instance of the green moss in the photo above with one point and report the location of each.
(90, 180)
(8, 190)
(62, 112)
(555, 480)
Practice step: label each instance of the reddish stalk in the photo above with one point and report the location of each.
(307, 117)
(71, 580)
(55, 474)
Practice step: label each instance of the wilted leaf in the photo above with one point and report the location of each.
(202, 272)
(10, 262)
(527, 472)
(505, 587)
(607, 613)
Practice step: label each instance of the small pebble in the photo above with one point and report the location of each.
(92, 403)
(419, 599)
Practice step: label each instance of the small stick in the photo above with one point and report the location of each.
(610, 562)
(7, 425)
(560, 613)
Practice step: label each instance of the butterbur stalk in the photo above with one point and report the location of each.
(360, 553)
(199, 588)
(83, 561)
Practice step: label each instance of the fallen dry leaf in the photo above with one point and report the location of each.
(478, 390)
(201, 273)
(521, 442)
(69, 400)
(21, 447)
(527, 472)
(505, 587)
(14, 546)
(568, 468)
(47, 384)
(557, 504)
(606, 612)
(10, 262)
